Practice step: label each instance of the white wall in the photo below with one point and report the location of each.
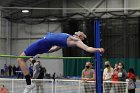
(134, 3)
(3, 29)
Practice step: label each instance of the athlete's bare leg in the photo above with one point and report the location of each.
(23, 65)
(25, 71)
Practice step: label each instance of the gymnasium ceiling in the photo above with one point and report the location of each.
(17, 14)
(24, 3)
(48, 4)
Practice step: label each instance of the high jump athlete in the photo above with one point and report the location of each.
(51, 43)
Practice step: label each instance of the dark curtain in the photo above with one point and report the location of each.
(139, 35)
(120, 37)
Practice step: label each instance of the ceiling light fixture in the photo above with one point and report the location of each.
(25, 11)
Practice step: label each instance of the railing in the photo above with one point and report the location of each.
(63, 86)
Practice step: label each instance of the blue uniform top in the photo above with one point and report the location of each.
(43, 45)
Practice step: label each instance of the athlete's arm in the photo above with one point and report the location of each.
(54, 48)
(83, 46)
(80, 44)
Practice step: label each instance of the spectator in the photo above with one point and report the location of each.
(115, 73)
(3, 89)
(10, 70)
(38, 73)
(115, 78)
(88, 75)
(5, 69)
(19, 73)
(45, 71)
(14, 70)
(31, 70)
(119, 74)
(122, 74)
(132, 80)
(108, 72)
(107, 76)
(2, 72)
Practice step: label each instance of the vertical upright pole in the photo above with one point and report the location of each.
(8, 40)
(99, 86)
(12, 85)
(0, 24)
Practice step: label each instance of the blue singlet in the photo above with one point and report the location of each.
(43, 45)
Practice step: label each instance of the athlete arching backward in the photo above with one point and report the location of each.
(51, 43)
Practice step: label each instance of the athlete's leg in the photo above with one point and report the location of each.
(24, 68)
(23, 64)
(25, 71)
